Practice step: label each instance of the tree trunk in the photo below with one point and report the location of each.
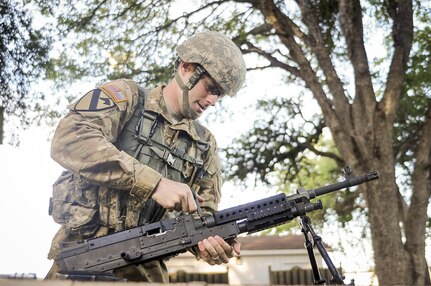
(363, 129)
(393, 264)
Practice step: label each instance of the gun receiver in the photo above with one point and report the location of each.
(168, 238)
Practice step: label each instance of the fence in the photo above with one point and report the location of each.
(294, 276)
(210, 278)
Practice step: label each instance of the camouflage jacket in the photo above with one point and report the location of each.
(99, 171)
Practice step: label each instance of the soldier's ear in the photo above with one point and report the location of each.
(186, 67)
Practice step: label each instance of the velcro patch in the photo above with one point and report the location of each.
(95, 100)
(115, 92)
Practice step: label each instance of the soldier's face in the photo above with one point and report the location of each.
(201, 97)
(204, 93)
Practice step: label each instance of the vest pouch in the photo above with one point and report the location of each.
(74, 205)
(213, 167)
(213, 180)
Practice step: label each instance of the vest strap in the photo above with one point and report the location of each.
(168, 155)
(182, 155)
(146, 127)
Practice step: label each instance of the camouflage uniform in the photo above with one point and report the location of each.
(111, 175)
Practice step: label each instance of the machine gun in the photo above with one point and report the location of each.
(95, 259)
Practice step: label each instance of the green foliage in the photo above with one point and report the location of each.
(276, 143)
(23, 58)
(320, 171)
(129, 39)
(116, 39)
(326, 12)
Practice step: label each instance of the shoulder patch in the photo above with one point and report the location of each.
(94, 100)
(114, 91)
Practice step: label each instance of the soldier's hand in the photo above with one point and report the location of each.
(172, 195)
(215, 250)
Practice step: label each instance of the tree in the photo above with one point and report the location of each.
(23, 57)
(320, 45)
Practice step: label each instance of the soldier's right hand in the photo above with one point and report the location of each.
(172, 195)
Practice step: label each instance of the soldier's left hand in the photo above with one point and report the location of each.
(215, 250)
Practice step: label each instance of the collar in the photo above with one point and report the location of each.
(156, 103)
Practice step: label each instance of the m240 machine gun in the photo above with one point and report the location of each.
(95, 259)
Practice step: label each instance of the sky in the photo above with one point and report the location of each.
(27, 174)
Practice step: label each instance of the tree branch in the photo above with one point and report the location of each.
(274, 62)
(339, 161)
(402, 33)
(284, 31)
(362, 112)
(317, 45)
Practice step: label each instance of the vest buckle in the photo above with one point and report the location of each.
(165, 155)
(199, 163)
(142, 139)
(170, 159)
(178, 152)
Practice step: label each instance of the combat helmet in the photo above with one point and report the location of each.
(219, 56)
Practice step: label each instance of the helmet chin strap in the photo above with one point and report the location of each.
(187, 111)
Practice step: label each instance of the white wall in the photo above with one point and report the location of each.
(252, 267)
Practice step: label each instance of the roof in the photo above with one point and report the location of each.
(271, 242)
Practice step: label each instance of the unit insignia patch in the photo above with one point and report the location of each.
(95, 100)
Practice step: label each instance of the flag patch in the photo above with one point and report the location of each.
(115, 92)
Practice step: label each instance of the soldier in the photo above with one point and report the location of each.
(130, 154)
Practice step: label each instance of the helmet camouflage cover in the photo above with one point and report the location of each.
(219, 56)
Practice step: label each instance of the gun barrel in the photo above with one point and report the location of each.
(349, 182)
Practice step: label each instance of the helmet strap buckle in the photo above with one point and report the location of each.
(196, 76)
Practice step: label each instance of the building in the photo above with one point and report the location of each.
(260, 259)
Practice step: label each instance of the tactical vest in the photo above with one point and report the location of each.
(182, 161)
(82, 207)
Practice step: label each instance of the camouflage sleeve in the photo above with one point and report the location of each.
(210, 184)
(83, 140)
